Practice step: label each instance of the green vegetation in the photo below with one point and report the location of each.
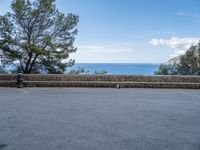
(187, 64)
(83, 71)
(79, 71)
(101, 72)
(2, 71)
(36, 37)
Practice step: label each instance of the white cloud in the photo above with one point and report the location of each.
(163, 33)
(104, 49)
(184, 14)
(180, 45)
(104, 53)
(196, 17)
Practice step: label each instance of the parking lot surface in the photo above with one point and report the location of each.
(99, 119)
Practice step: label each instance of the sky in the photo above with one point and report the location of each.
(131, 31)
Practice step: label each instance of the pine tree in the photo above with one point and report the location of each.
(36, 38)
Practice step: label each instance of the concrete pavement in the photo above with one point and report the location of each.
(99, 119)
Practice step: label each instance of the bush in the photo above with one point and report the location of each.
(187, 64)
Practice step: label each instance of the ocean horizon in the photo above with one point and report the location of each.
(118, 68)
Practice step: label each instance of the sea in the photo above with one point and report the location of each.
(118, 69)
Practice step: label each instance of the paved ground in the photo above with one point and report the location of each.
(99, 119)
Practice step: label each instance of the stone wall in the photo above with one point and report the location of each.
(126, 81)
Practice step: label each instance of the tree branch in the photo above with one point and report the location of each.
(33, 62)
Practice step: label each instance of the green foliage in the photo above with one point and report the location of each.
(83, 71)
(188, 64)
(36, 37)
(101, 72)
(79, 71)
(167, 69)
(2, 70)
(37, 50)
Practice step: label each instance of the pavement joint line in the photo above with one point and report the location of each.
(56, 89)
(23, 91)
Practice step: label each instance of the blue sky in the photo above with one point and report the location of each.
(131, 31)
